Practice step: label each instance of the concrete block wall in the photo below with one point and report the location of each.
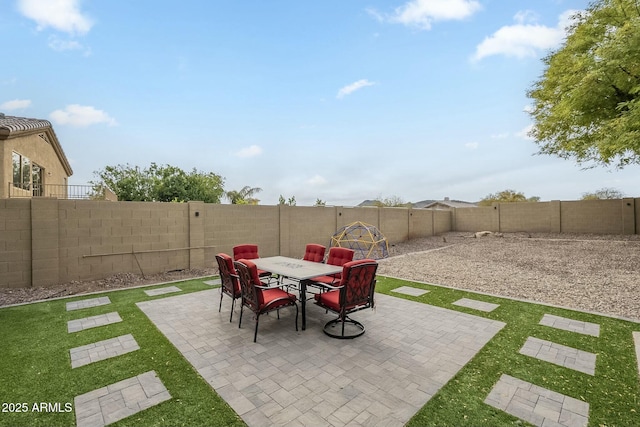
(48, 241)
(15, 243)
(531, 217)
(474, 219)
(617, 216)
(602, 216)
(229, 225)
(442, 222)
(98, 238)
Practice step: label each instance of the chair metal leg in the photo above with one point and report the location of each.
(255, 334)
(233, 304)
(221, 295)
(240, 321)
(355, 328)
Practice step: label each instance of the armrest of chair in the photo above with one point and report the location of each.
(327, 286)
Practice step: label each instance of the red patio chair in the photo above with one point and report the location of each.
(337, 256)
(355, 292)
(229, 279)
(258, 297)
(248, 251)
(314, 252)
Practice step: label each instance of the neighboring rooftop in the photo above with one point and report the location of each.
(430, 204)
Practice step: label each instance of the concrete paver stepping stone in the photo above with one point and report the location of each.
(537, 405)
(409, 290)
(88, 303)
(162, 291)
(558, 354)
(93, 321)
(571, 325)
(102, 350)
(114, 402)
(476, 305)
(214, 282)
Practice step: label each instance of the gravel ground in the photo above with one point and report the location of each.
(586, 272)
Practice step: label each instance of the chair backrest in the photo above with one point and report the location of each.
(245, 252)
(314, 252)
(359, 281)
(228, 275)
(340, 256)
(248, 277)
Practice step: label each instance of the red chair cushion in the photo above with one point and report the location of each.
(229, 262)
(340, 256)
(245, 252)
(329, 299)
(314, 252)
(269, 295)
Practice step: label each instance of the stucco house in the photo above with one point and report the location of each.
(32, 162)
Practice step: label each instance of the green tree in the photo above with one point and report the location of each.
(603, 193)
(587, 102)
(243, 196)
(320, 203)
(291, 201)
(392, 201)
(506, 196)
(159, 183)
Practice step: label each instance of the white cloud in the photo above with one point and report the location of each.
(317, 180)
(349, 89)
(60, 45)
(81, 116)
(16, 104)
(62, 15)
(501, 135)
(472, 145)
(422, 13)
(525, 38)
(524, 133)
(251, 151)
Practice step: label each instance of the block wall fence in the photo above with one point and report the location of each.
(46, 241)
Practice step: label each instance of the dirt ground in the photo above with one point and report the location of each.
(587, 272)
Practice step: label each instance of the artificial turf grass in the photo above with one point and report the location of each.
(36, 364)
(613, 393)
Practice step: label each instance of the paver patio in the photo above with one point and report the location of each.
(410, 350)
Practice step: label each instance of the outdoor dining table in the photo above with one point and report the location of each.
(298, 269)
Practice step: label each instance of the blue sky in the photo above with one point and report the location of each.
(338, 100)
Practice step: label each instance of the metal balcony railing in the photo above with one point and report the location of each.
(60, 191)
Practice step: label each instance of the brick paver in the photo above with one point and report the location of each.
(93, 321)
(476, 305)
(88, 303)
(571, 325)
(162, 291)
(114, 402)
(102, 350)
(537, 405)
(409, 290)
(559, 354)
(384, 377)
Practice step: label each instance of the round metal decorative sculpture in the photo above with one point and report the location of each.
(365, 239)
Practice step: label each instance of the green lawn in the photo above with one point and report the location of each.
(36, 364)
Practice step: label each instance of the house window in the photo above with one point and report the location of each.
(21, 171)
(37, 173)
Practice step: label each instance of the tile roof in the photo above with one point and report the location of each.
(9, 124)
